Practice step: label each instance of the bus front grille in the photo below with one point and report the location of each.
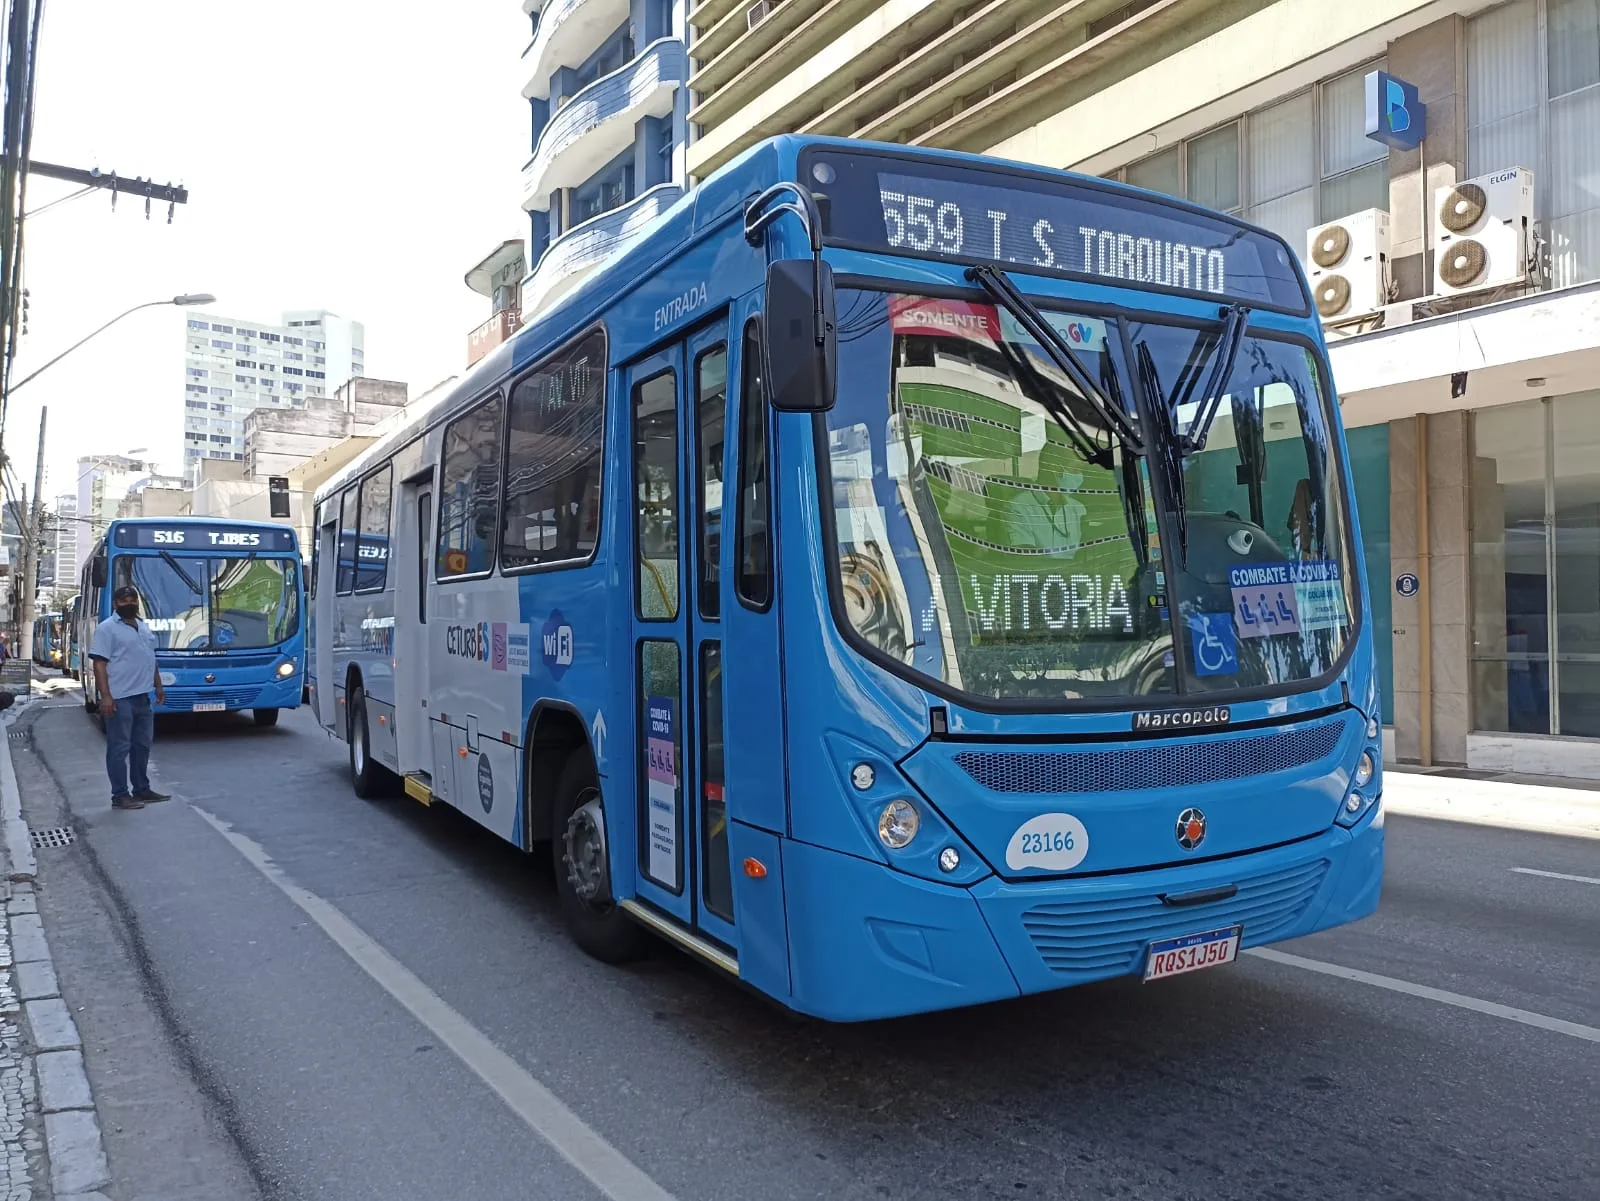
(1107, 936)
(1152, 765)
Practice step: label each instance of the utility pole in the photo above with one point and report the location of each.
(32, 544)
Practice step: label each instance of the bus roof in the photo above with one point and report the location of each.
(698, 211)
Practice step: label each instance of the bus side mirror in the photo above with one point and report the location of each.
(800, 372)
(97, 573)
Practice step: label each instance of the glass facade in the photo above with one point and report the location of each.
(1533, 100)
(1536, 567)
(1288, 166)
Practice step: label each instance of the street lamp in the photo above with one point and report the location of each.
(185, 301)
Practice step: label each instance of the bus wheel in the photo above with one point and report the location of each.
(265, 717)
(583, 876)
(366, 776)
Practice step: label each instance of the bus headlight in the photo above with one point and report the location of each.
(285, 670)
(1365, 767)
(898, 824)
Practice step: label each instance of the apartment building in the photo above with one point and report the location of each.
(233, 367)
(1432, 160)
(604, 87)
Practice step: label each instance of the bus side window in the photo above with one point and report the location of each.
(316, 548)
(424, 527)
(754, 567)
(345, 564)
(469, 492)
(372, 543)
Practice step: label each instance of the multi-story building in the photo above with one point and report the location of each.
(603, 80)
(61, 533)
(233, 367)
(1451, 227)
(103, 480)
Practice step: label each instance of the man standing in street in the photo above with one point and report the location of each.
(124, 655)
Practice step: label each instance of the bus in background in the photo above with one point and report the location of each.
(225, 600)
(69, 633)
(48, 649)
(902, 578)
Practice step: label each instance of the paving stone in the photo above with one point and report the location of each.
(52, 1025)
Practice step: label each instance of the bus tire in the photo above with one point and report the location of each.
(593, 919)
(367, 776)
(265, 717)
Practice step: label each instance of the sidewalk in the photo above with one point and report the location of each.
(49, 1133)
(1570, 809)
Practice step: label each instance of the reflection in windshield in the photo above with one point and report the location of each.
(214, 604)
(979, 545)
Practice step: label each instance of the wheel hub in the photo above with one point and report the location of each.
(584, 853)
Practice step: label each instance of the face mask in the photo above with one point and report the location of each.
(127, 612)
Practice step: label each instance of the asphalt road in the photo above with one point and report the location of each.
(1263, 1079)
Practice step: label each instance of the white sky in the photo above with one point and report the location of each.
(340, 154)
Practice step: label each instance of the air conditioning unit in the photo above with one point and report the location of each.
(1348, 262)
(759, 12)
(1483, 232)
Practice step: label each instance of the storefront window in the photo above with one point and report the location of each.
(1510, 571)
(1536, 567)
(1575, 457)
(1368, 450)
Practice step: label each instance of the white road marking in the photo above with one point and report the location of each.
(605, 1167)
(1533, 871)
(1492, 1008)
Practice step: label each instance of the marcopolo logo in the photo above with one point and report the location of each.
(468, 642)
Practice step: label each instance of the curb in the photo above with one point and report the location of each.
(18, 845)
(77, 1154)
(1569, 812)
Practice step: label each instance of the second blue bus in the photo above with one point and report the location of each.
(226, 600)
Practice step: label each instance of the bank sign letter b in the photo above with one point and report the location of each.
(1396, 115)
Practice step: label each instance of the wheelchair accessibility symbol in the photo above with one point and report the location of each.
(1214, 643)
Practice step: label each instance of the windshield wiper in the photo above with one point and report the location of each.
(182, 574)
(1171, 456)
(999, 286)
(1234, 319)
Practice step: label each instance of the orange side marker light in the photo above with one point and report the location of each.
(755, 869)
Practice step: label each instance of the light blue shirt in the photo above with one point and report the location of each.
(129, 652)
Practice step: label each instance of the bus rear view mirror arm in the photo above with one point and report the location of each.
(801, 367)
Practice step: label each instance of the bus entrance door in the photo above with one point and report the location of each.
(677, 401)
(413, 555)
(324, 697)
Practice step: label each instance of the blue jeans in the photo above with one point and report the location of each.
(129, 733)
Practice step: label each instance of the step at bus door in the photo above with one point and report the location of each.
(677, 403)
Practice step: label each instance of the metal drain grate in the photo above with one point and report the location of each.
(53, 836)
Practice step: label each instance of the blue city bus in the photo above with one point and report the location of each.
(225, 600)
(49, 648)
(902, 578)
(69, 627)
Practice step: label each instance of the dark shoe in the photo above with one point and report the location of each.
(150, 796)
(126, 802)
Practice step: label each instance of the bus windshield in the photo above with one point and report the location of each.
(214, 604)
(984, 544)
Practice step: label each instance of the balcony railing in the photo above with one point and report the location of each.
(596, 125)
(491, 333)
(585, 247)
(569, 31)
